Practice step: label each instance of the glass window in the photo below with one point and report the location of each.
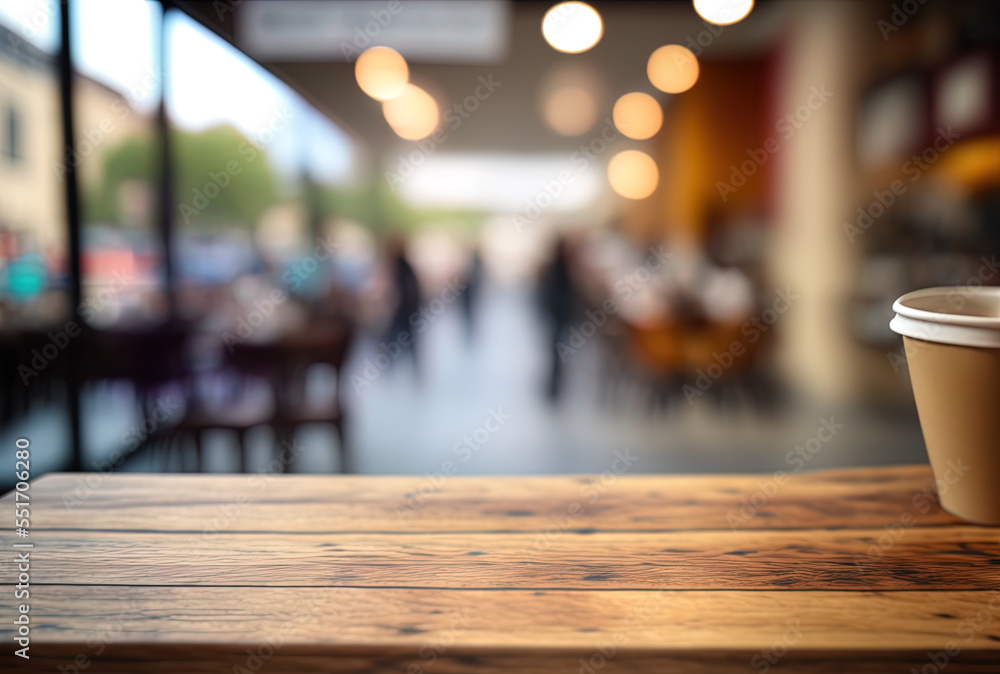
(116, 94)
(245, 162)
(33, 242)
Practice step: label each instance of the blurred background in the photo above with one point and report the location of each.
(438, 238)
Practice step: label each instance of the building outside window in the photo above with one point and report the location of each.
(12, 149)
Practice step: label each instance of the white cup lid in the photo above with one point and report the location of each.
(960, 315)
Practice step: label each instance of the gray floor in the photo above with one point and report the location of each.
(404, 425)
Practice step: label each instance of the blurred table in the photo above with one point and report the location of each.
(283, 361)
(850, 570)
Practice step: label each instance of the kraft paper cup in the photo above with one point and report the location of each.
(951, 337)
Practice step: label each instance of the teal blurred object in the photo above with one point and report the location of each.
(25, 277)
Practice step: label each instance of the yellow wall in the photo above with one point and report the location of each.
(32, 195)
(707, 130)
(31, 198)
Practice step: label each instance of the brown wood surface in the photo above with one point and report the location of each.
(312, 503)
(961, 557)
(838, 571)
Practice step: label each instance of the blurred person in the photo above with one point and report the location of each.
(470, 295)
(558, 299)
(726, 292)
(406, 288)
(729, 281)
(703, 286)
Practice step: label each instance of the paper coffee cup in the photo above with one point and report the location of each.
(951, 336)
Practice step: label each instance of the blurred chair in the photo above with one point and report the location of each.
(656, 358)
(24, 382)
(321, 345)
(282, 366)
(669, 357)
(150, 359)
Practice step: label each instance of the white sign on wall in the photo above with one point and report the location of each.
(428, 31)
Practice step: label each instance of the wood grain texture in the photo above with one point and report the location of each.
(841, 571)
(313, 503)
(550, 631)
(960, 557)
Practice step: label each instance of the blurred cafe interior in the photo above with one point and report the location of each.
(504, 236)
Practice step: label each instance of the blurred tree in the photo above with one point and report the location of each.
(222, 178)
(132, 159)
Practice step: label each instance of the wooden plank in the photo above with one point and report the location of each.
(184, 573)
(960, 557)
(265, 503)
(296, 659)
(389, 629)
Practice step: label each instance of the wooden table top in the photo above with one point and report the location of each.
(838, 571)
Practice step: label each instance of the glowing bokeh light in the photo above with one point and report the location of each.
(381, 73)
(673, 69)
(570, 111)
(637, 115)
(413, 115)
(723, 12)
(633, 174)
(572, 27)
